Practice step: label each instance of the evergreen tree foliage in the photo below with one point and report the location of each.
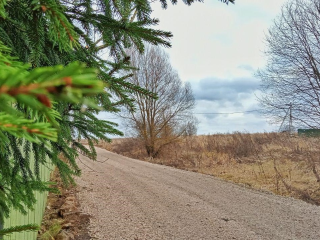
(55, 78)
(27, 227)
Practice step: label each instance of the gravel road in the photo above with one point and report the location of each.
(136, 200)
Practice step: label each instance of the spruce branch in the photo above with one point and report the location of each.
(21, 228)
(60, 29)
(29, 129)
(2, 10)
(45, 84)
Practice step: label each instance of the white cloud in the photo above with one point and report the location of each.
(213, 39)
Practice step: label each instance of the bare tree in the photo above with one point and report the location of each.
(291, 78)
(159, 121)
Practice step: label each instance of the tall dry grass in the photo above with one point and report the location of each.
(277, 162)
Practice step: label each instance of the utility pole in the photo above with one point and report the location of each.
(283, 121)
(288, 128)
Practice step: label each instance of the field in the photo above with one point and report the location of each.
(275, 162)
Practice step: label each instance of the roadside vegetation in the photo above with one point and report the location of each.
(63, 218)
(275, 162)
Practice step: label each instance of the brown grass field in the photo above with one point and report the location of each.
(275, 162)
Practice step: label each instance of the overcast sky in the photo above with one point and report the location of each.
(217, 48)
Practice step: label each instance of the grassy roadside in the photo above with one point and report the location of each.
(63, 218)
(279, 163)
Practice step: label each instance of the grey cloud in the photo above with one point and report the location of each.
(237, 105)
(214, 89)
(234, 97)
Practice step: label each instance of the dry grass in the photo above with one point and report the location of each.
(286, 165)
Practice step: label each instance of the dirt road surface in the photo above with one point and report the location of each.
(131, 199)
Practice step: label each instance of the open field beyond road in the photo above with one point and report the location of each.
(131, 199)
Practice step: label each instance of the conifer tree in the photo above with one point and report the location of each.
(54, 79)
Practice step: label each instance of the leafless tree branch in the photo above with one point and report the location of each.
(159, 121)
(292, 75)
